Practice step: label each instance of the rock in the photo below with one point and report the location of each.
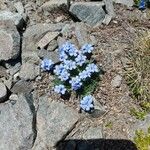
(116, 82)
(52, 45)
(19, 7)
(128, 3)
(54, 56)
(79, 30)
(22, 86)
(98, 111)
(7, 81)
(30, 38)
(13, 70)
(29, 71)
(140, 125)
(53, 4)
(93, 133)
(46, 39)
(90, 12)
(10, 44)
(109, 8)
(30, 57)
(54, 121)
(61, 41)
(107, 19)
(17, 124)
(15, 17)
(13, 97)
(3, 92)
(81, 34)
(3, 72)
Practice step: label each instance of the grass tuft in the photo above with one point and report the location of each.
(137, 73)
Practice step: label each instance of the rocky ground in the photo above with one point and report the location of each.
(32, 116)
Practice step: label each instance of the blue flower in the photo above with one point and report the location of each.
(59, 69)
(92, 68)
(69, 64)
(142, 5)
(47, 64)
(87, 48)
(66, 47)
(60, 89)
(63, 56)
(73, 51)
(84, 74)
(87, 103)
(75, 83)
(80, 59)
(64, 76)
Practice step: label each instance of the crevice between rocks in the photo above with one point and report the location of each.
(68, 132)
(29, 98)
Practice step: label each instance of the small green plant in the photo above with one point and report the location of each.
(109, 125)
(138, 114)
(142, 140)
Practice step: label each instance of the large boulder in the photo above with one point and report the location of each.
(90, 12)
(15, 17)
(9, 41)
(54, 121)
(17, 124)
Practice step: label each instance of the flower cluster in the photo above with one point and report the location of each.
(47, 64)
(87, 103)
(73, 70)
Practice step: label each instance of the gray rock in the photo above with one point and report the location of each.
(109, 8)
(90, 12)
(14, 69)
(9, 44)
(107, 19)
(54, 56)
(53, 4)
(29, 71)
(30, 38)
(128, 3)
(46, 39)
(22, 86)
(7, 81)
(30, 57)
(52, 45)
(15, 17)
(3, 92)
(81, 34)
(54, 121)
(61, 41)
(13, 97)
(140, 125)
(116, 82)
(98, 111)
(3, 72)
(79, 30)
(19, 7)
(93, 133)
(17, 126)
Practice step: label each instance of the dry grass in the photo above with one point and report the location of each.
(137, 73)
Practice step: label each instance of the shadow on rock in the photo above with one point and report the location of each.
(96, 144)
